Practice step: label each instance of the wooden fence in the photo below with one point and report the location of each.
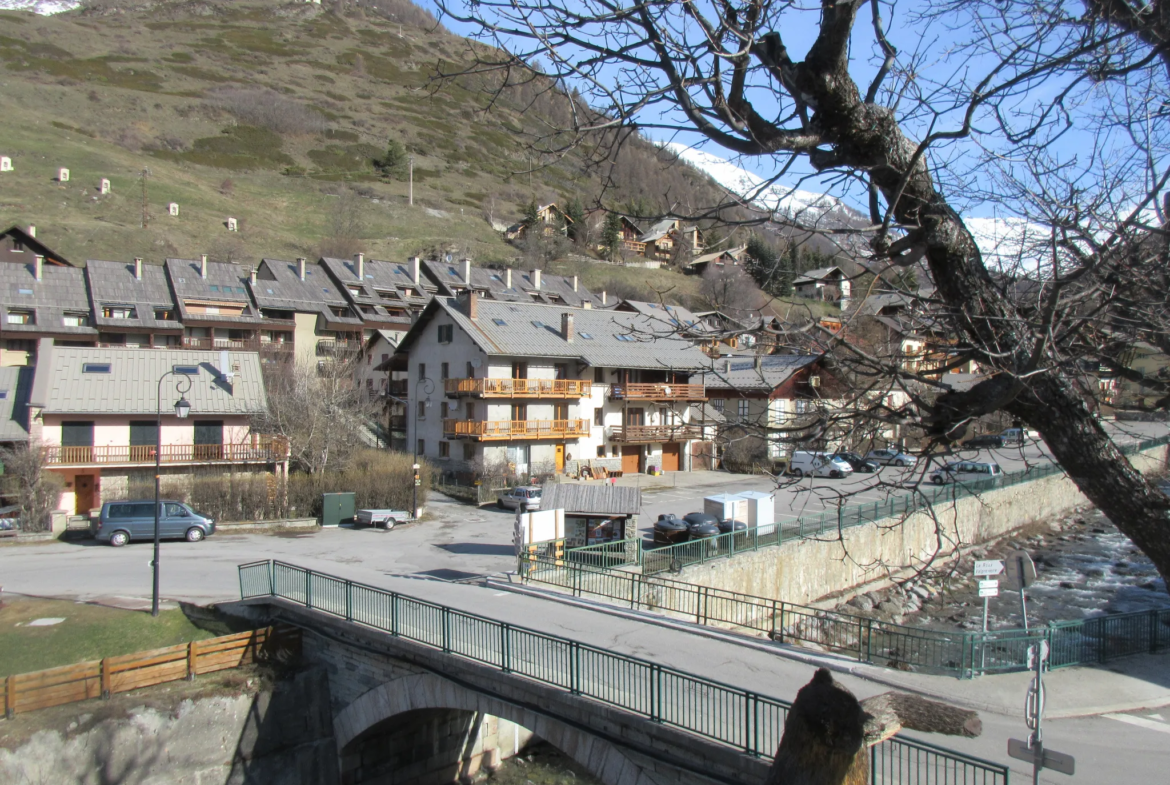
(102, 678)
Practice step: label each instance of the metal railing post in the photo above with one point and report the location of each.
(308, 588)
(749, 735)
(575, 668)
(446, 630)
(656, 693)
(394, 614)
(1153, 614)
(272, 577)
(349, 600)
(505, 649)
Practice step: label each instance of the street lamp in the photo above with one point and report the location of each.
(430, 388)
(182, 409)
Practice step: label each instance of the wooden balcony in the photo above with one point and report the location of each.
(504, 430)
(249, 345)
(518, 388)
(271, 449)
(329, 347)
(658, 392)
(641, 434)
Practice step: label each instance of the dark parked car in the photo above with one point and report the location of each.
(858, 463)
(701, 524)
(985, 440)
(669, 529)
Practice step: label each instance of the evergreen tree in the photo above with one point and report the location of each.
(611, 235)
(531, 212)
(770, 269)
(393, 164)
(575, 212)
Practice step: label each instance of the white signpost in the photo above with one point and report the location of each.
(988, 589)
(988, 568)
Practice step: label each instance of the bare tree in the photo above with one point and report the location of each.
(730, 289)
(345, 223)
(1050, 116)
(30, 485)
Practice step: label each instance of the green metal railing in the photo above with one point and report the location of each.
(723, 546)
(745, 720)
(964, 654)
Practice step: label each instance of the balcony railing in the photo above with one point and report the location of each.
(332, 348)
(658, 392)
(518, 388)
(655, 433)
(267, 450)
(516, 429)
(249, 345)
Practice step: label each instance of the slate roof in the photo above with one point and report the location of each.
(388, 277)
(492, 283)
(225, 282)
(600, 499)
(658, 230)
(742, 374)
(113, 283)
(819, 274)
(15, 387)
(508, 329)
(60, 289)
(279, 285)
(670, 317)
(131, 387)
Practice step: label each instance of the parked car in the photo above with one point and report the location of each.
(121, 522)
(1019, 436)
(383, 519)
(858, 463)
(984, 440)
(817, 464)
(889, 457)
(670, 529)
(527, 496)
(965, 471)
(701, 524)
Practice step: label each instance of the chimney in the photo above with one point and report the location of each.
(574, 283)
(39, 267)
(137, 268)
(508, 278)
(467, 271)
(203, 266)
(536, 280)
(32, 232)
(360, 267)
(414, 269)
(604, 299)
(759, 362)
(253, 276)
(567, 331)
(301, 267)
(472, 305)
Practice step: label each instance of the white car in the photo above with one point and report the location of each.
(526, 497)
(891, 458)
(965, 471)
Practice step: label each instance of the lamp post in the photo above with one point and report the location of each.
(182, 408)
(430, 388)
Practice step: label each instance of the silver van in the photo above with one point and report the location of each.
(818, 464)
(121, 522)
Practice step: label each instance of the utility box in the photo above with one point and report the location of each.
(726, 505)
(336, 509)
(761, 510)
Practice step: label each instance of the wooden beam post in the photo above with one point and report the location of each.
(192, 660)
(10, 697)
(105, 679)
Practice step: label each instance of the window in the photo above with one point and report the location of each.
(560, 371)
(422, 410)
(422, 370)
(20, 317)
(445, 371)
(468, 451)
(446, 333)
(586, 336)
(95, 367)
(718, 404)
(470, 371)
(75, 319)
(164, 315)
(599, 416)
(499, 322)
(601, 451)
(215, 288)
(422, 446)
(741, 409)
(369, 384)
(385, 357)
(444, 449)
(470, 411)
(537, 324)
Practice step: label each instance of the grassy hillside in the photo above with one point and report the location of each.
(272, 113)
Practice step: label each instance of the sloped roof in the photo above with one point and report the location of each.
(113, 283)
(225, 282)
(279, 285)
(658, 230)
(600, 499)
(36, 246)
(534, 330)
(62, 386)
(670, 317)
(742, 373)
(380, 275)
(15, 387)
(819, 274)
(60, 289)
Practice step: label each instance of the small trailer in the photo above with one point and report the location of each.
(383, 519)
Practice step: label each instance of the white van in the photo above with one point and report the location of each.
(818, 464)
(965, 471)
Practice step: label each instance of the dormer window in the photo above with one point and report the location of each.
(21, 317)
(164, 315)
(75, 319)
(119, 312)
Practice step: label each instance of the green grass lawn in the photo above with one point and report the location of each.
(89, 632)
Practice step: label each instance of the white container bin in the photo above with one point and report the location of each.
(761, 510)
(726, 505)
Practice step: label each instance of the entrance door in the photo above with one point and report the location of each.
(209, 440)
(82, 494)
(671, 454)
(560, 458)
(631, 459)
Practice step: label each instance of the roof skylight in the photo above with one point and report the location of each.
(95, 367)
(499, 322)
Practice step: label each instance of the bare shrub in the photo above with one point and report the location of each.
(27, 483)
(269, 109)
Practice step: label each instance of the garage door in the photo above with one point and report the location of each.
(670, 456)
(631, 457)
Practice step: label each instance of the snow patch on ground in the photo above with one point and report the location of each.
(42, 7)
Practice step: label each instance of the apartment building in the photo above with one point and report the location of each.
(533, 388)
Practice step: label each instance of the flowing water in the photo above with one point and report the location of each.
(541, 764)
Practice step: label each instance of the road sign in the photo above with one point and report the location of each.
(1047, 759)
(1041, 649)
(1019, 570)
(989, 567)
(989, 584)
(990, 591)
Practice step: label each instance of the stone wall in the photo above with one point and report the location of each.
(804, 571)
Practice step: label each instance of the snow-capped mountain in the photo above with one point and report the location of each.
(43, 7)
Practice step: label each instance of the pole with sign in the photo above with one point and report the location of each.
(1033, 749)
(1020, 572)
(987, 590)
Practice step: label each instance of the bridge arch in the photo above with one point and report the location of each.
(424, 697)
